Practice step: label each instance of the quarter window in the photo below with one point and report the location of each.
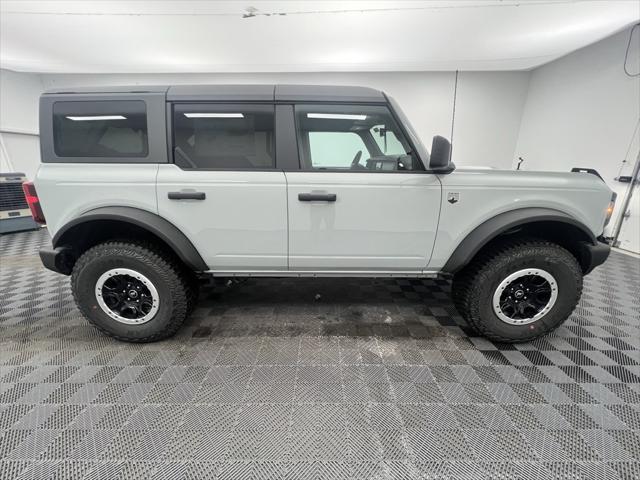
(224, 136)
(100, 129)
(352, 138)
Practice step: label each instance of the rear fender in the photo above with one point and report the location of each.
(154, 224)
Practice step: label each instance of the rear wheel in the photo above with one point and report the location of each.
(132, 292)
(519, 290)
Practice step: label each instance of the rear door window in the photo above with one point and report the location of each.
(100, 129)
(230, 137)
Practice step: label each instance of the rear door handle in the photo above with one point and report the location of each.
(186, 195)
(317, 197)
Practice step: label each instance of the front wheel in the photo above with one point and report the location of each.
(518, 291)
(132, 292)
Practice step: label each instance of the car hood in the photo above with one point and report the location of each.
(467, 176)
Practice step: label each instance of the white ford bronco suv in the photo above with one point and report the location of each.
(146, 189)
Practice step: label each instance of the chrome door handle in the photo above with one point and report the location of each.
(186, 195)
(317, 197)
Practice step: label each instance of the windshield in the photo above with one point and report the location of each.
(415, 139)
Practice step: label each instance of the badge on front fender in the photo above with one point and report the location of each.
(453, 197)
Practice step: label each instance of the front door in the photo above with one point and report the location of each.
(362, 201)
(223, 190)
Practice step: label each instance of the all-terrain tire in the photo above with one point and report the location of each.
(176, 295)
(473, 287)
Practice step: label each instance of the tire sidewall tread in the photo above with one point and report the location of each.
(473, 288)
(166, 275)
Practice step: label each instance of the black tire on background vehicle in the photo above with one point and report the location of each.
(519, 290)
(132, 291)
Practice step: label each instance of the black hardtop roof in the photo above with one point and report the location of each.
(241, 93)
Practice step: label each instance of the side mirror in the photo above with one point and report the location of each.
(440, 159)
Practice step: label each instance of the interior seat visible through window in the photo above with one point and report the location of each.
(226, 137)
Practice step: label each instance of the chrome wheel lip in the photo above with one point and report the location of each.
(515, 276)
(137, 275)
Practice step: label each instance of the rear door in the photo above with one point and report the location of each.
(223, 189)
(362, 201)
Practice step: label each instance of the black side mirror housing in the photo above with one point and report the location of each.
(440, 160)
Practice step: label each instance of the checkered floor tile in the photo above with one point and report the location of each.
(316, 378)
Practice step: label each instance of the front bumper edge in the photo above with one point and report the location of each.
(594, 255)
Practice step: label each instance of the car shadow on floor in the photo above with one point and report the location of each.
(327, 307)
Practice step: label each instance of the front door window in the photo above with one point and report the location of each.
(363, 138)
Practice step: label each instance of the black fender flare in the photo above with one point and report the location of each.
(163, 229)
(503, 222)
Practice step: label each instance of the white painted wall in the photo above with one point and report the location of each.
(19, 147)
(487, 119)
(5, 164)
(583, 111)
(22, 152)
(19, 93)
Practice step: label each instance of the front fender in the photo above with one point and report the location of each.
(501, 223)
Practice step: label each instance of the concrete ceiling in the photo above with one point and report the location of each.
(299, 36)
